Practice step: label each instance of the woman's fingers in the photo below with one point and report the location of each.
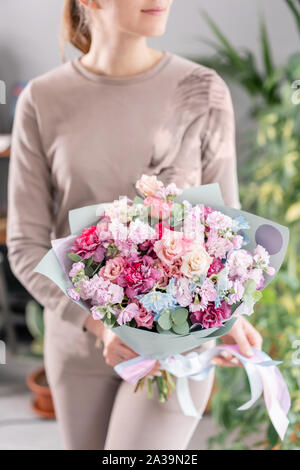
(126, 353)
(254, 337)
(243, 344)
(221, 361)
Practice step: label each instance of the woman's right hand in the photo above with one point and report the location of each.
(114, 349)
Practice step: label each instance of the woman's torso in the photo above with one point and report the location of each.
(100, 134)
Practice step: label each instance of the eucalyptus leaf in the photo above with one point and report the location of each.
(179, 316)
(181, 329)
(165, 321)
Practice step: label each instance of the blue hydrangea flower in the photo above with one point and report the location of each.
(245, 238)
(222, 280)
(218, 301)
(172, 289)
(239, 223)
(157, 302)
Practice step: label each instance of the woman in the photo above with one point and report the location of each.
(84, 133)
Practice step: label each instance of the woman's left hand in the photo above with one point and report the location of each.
(244, 335)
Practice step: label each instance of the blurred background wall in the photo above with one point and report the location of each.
(29, 31)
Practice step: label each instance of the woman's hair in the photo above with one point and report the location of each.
(75, 27)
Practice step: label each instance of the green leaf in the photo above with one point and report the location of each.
(34, 319)
(295, 12)
(74, 257)
(138, 200)
(90, 262)
(150, 391)
(165, 321)
(88, 271)
(266, 49)
(179, 316)
(249, 287)
(177, 212)
(162, 331)
(181, 329)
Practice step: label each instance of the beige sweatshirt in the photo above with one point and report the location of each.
(81, 138)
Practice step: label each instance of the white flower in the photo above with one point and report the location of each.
(218, 220)
(261, 256)
(148, 185)
(118, 209)
(118, 230)
(196, 262)
(238, 262)
(139, 232)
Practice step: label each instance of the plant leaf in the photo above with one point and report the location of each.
(74, 257)
(181, 329)
(179, 316)
(165, 321)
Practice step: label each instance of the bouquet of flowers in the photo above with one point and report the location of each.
(169, 271)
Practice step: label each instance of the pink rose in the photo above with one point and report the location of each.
(171, 246)
(112, 269)
(143, 318)
(148, 185)
(160, 208)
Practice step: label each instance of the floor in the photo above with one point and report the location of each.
(20, 429)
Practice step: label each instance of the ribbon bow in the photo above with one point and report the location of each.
(262, 371)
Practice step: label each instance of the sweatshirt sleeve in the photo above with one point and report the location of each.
(219, 160)
(30, 211)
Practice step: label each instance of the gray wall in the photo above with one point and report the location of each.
(29, 33)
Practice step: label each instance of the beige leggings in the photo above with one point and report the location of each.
(97, 410)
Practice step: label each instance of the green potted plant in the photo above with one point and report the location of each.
(42, 403)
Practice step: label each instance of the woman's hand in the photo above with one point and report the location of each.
(244, 335)
(114, 350)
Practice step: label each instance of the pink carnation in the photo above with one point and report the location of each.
(215, 267)
(138, 276)
(212, 317)
(216, 245)
(174, 270)
(88, 244)
(103, 229)
(163, 280)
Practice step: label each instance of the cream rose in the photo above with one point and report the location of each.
(196, 262)
(148, 185)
